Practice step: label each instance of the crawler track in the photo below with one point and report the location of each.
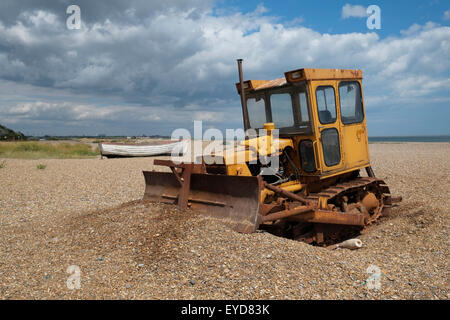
(353, 189)
(342, 198)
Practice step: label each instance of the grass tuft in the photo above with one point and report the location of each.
(41, 166)
(45, 150)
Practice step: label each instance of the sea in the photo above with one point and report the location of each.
(445, 138)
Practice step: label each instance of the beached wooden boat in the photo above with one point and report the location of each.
(112, 150)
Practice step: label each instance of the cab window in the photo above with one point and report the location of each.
(307, 158)
(326, 105)
(351, 102)
(304, 111)
(281, 106)
(331, 149)
(287, 108)
(256, 112)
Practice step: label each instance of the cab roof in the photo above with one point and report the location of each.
(300, 75)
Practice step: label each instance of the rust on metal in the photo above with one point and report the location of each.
(332, 217)
(396, 199)
(272, 84)
(190, 199)
(285, 193)
(370, 202)
(322, 74)
(234, 199)
(243, 100)
(287, 213)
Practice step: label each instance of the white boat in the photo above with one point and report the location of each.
(111, 150)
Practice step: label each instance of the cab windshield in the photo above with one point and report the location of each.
(287, 108)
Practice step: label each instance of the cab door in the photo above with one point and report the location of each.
(327, 125)
(353, 124)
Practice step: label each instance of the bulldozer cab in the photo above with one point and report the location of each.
(321, 110)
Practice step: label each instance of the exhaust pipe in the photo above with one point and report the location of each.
(243, 100)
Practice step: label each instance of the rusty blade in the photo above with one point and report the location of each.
(232, 199)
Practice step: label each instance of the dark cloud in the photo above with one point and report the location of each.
(159, 64)
(131, 11)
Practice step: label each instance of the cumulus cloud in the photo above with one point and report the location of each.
(143, 66)
(446, 15)
(353, 11)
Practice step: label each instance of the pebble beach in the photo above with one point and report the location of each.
(87, 213)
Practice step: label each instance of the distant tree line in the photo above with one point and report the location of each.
(10, 135)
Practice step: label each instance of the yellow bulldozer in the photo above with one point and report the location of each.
(316, 193)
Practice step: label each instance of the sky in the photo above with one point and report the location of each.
(148, 67)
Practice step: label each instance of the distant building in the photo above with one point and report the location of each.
(10, 135)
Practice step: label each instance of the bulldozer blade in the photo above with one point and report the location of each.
(232, 199)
